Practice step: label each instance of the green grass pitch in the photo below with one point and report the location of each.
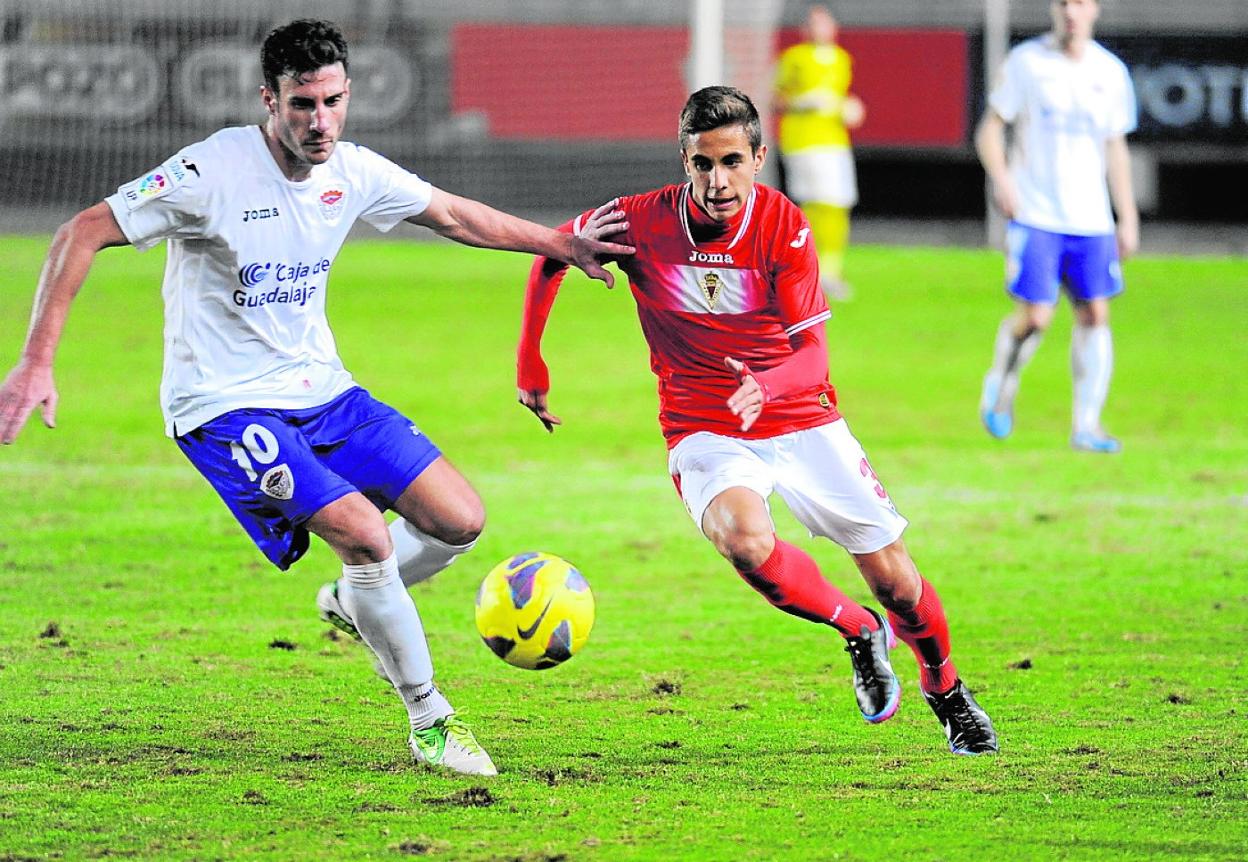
(166, 694)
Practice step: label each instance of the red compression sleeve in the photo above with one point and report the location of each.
(539, 296)
(807, 367)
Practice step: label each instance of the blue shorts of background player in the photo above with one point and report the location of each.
(275, 469)
(1039, 262)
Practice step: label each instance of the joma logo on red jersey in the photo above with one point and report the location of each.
(700, 257)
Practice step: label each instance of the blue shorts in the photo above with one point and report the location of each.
(1038, 262)
(276, 468)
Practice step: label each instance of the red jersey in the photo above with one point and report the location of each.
(746, 289)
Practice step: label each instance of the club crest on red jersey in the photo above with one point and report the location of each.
(711, 285)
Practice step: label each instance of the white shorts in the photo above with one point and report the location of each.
(823, 175)
(822, 475)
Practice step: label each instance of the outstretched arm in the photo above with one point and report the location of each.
(532, 375)
(29, 384)
(545, 276)
(473, 223)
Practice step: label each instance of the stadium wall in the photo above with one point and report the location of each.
(553, 105)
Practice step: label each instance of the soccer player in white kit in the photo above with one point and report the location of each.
(1071, 104)
(253, 390)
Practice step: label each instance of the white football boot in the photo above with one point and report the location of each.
(450, 744)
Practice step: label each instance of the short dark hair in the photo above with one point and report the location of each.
(712, 107)
(300, 47)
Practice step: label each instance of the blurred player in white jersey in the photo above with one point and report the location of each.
(253, 391)
(1070, 104)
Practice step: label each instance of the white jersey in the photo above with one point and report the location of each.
(249, 257)
(1063, 111)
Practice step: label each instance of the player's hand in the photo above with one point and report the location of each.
(27, 387)
(1128, 238)
(535, 400)
(853, 111)
(747, 402)
(590, 243)
(1005, 196)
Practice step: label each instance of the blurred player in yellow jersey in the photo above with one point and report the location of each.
(817, 110)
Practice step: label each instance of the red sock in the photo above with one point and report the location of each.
(926, 631)
(791, 581)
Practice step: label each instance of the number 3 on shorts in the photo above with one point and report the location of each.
(863, 467)
(260, 443)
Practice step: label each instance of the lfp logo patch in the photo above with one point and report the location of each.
(154, 184)
(332, 202)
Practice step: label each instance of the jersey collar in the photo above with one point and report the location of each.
(275, 170)
(686, 203)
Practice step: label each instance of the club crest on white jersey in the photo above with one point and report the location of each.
(332, 202)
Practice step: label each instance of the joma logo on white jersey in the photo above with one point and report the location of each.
(256, 215)
(700, 257)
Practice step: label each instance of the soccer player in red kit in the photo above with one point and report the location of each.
(727, 289)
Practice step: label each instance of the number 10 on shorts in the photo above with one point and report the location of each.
(259, 443)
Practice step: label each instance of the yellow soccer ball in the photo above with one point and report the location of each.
(534, 610)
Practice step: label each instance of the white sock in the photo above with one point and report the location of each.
(1009, 356)
(381, 608)
(421, 556)
(425, 705)
(1091, 364)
